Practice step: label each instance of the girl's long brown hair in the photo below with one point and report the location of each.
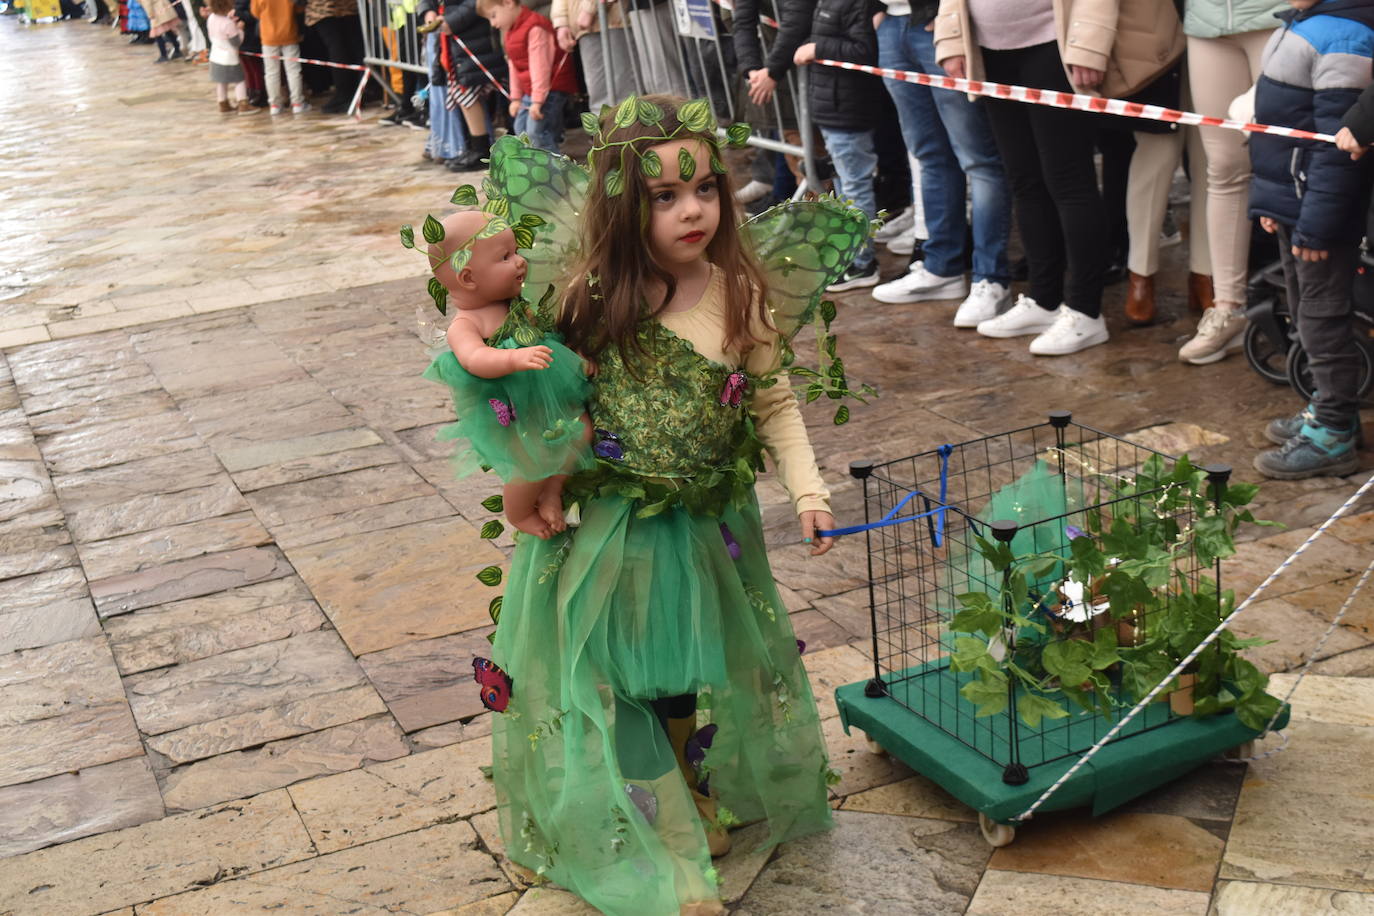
(607, 311)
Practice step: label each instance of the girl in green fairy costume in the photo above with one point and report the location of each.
(652, 685)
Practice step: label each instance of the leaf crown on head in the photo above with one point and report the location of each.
(497, 208)
(694, 117)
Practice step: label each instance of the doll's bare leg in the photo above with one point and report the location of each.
(550, 503)
(521, 501)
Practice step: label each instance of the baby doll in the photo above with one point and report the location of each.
(510, 404)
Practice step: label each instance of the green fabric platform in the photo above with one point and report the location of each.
(1146, 757)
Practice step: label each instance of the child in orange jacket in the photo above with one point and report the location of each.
(280, 38)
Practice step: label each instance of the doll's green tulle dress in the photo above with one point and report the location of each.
(523, 426)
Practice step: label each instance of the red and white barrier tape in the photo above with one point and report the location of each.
(1075, 101)
(481, 66)
(355, 107)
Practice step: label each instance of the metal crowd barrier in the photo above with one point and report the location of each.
(694, 55)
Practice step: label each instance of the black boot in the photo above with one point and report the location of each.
(479, 148)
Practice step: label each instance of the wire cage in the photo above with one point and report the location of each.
(1029, 488)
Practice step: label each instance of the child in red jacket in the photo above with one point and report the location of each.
(541, 76)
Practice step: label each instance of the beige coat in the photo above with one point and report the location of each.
(1132, 41)
(564, 15)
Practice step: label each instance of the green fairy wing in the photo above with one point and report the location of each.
(803, 247)
(543, 193)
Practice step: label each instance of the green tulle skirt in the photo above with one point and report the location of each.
(524, 426)
(597, 623)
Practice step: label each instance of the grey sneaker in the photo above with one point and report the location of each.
(1284, 428)
(1218, 333)
(1316, 451)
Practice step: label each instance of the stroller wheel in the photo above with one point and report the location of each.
(1299, 373)
(1264, 356)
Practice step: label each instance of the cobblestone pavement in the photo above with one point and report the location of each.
(236, 601)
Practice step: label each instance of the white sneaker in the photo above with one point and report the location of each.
(984, 301)
(904, 243)
(1025, 317)
(899, 225)
(752, 191)
(920, 285)
(275, 110)
(1072, 331)
(300, 107)
(1221, 331)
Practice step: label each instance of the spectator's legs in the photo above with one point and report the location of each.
(1055, 183)
(1220, 69)
(271, 71)
(544, 133)
(521, 124)
(293, 72)
(240, 91)
(343, 37)
(856, 162)
(943, 185)
(970, 136)
(656, 48)
(594, 68)
(1147, 196)
(1199, 247)
(1117, 146)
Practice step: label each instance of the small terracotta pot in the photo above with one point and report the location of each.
(1181, 698)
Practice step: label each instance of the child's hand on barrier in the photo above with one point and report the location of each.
(1346, 142)
(761, 86)
(530, 358)
(814, 520)
(1269, 224)
(565, 38)
(514, 107)
(1312, 255)
(805, 54)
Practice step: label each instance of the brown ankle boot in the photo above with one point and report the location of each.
(717, 839)
(225, 107)
(246, 108)
(1140, 299)
(1199, 292)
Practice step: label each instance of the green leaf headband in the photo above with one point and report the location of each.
(497, 207)
(693, 117)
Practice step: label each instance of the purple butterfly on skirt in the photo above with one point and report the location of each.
(801, 647)
(731, 544)
(732, 395)
(608, 446)
(496, 684)
(695, 752)
(505, 414)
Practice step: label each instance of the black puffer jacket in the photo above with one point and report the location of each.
(476, 33)
(844, 99)
(794, 17)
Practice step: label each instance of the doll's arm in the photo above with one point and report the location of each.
(489, 362)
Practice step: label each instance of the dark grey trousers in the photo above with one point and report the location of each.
(1319, 301)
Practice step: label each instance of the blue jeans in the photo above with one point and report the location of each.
(951, 137)
(547, 132)
(855, 159)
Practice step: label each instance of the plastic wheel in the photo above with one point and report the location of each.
(873, 746)
(1264, 356)
(1241, 751)
(1300, 373)
(997, 835)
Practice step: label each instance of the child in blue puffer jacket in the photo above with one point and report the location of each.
(1311, 194)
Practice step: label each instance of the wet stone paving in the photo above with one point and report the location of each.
(237, 606)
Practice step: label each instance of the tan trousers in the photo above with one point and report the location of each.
(1147, 198)
(1220, 69)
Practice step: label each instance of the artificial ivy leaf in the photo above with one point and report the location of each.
(615, 183)
(492, 530)
(827, 312)
(651, 165)
(439, 295)
(531, 221)
(495, 226)
(490, 188)
(490, 575)
(716, 165)
(494, 503)
(625, 114)
(813, 391)
(842, 415)
(494, 609)
(1255, 710)
(737, 135)
(433, 230)
(524, 238)
(465, 196)
(686, 164)
(972, 654)
(460, 259)
(696, 116)
(1068, 660)
(648, 113)
(1033, 707)
(988, 693)
(980, 615)
(590, 123)
(497, 206)
(408, 236)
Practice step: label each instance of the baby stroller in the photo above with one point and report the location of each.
(1271, 342)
